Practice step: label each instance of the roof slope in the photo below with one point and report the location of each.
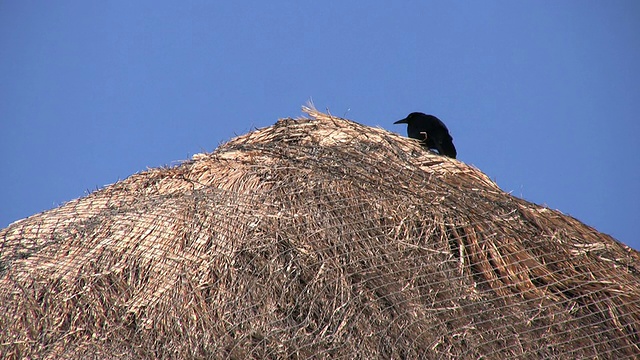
(318, 238)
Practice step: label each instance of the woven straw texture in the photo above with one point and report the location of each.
(314, 238)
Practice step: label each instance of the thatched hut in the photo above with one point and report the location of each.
(318, 238)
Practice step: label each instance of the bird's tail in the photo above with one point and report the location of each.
(448, 149)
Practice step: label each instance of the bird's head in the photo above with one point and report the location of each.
(413, 116)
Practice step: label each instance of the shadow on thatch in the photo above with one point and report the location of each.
(314, 238)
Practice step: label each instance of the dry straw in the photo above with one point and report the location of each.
(318, 238)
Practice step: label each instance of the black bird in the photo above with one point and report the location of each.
(431, 131)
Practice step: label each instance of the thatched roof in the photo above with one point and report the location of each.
(316, 238)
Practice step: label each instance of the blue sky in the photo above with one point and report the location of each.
(542, 96)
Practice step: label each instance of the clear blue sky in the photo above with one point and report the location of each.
(543, 96)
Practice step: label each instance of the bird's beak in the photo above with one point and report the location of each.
(403, 121)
